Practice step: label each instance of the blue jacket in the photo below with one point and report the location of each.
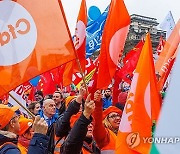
(38, 144)
(50, 121)
(107, 102)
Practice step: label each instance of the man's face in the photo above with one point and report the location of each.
(15, 123)
(107, 93)
(90, 130)
(38, 97)
(57, 98)
(49, 107)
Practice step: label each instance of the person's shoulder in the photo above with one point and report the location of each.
(9, 148)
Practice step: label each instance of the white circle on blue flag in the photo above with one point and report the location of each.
(18, 33)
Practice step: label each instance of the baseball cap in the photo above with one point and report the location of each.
(24, 123)
(6, 114)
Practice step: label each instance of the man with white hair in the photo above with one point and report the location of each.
(48, 111)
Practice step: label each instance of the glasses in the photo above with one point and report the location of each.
(15, 117)
(114, 116)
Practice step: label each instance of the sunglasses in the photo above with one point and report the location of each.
(114, 116)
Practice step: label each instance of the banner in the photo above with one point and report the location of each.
(94, 33)
(34, 39)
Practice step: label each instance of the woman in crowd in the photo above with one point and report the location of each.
(106, 125)
(34, 107)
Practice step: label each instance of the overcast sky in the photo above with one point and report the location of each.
(152, 8)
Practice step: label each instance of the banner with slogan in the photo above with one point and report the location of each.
(20, 94)
(34, 39)
(94, 33)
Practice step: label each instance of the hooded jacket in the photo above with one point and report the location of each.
(8, 143)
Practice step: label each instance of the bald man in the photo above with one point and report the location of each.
(48, 111)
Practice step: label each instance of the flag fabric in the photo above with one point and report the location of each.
(20, 94)
(168, 24)
(79, 38)
(142, 106)
(113, 40)
(94, 33)
(168, 124)
(160, 46)
(168, 55)
(77, 77)
(46, 83)
(36, 41)
(130, 62)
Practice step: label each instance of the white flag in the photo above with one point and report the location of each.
(18, 93)
(168, 24)
(168, 126)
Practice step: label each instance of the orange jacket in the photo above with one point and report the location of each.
(104, 137)
(22, 149)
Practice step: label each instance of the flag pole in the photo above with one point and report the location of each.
(31, 114)
(77, 59)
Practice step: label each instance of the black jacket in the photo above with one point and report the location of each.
(38, 144)
(63, 122)
(74, 141)
(77, 135)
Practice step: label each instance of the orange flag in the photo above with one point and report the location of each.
(113, 40)
(80, 36)
(166, 59)
(142, 106)
(79, 40)
(34, 38)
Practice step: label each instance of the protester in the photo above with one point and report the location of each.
(9, 130)
(59, 100)
(39, 97)
(73, 105)
(79, 139)
(107, 99)
(25, 134)
(106, 124)
(34, 107)
(48, 111)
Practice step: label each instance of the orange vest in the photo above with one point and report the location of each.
(110, 147)
(84, 151)
(58, 145)
(22, 149)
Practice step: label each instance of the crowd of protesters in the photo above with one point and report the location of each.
(80, 123)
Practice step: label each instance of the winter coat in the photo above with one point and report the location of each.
(8, 143)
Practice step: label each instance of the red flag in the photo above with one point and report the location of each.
(116, 89)
(36, 39)
(113, 40)
(80, 36)
(160, 45)
(79, 40)
(142, 106)
(46, 83)
(130, 62)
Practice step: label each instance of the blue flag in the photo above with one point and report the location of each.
(94, 33)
